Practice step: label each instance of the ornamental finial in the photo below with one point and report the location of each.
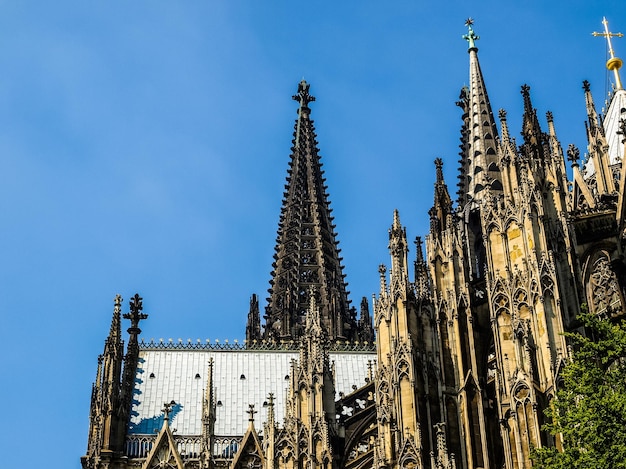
(136, 314)
(167, 409)
(251, 413)
(614, 63)
(303, 96)
(439, 169)
(471, 36)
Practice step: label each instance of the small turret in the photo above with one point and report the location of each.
(422, 282)
(105, 419)
(535, 141)
(599, 164)
(398, 248)
(442, 207)
(366, 328)
(253, 328)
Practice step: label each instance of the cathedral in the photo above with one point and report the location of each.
(452, 363)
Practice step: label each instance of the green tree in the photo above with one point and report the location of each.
(589, 411)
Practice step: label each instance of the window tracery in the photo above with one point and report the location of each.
(603, 287)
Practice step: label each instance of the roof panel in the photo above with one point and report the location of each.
(240, 378)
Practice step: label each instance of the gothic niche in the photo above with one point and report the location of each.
(603, 291)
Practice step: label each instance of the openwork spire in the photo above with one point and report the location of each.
(306, 253)
(479, 158)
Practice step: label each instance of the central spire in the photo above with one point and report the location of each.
(306, 254)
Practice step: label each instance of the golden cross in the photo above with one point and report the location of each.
(608, 35)
(614, 63)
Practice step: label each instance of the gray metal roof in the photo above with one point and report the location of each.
(241, 377)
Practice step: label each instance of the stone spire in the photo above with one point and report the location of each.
(253, 328)
(442, 207)
(366, 328)
(307, 253)
(208, 418)
(422, 283)
(105, 419)
(132, 357)
(479, 157)
(398, 248)
(598, 147)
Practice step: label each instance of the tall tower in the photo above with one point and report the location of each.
(306, 254)
(504, 273)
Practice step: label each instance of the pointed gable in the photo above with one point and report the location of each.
(250, 453)
(164, 454)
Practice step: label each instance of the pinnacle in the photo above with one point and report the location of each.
(396, 219)
(116, 327)
(439, 166)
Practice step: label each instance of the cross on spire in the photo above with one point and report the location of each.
(167, 408)
(251, 412)
(614, 63)
(471, 36)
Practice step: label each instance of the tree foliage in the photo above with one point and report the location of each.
(589, 411)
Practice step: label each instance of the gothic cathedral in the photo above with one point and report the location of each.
(462, 350)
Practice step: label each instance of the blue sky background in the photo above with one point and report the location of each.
(144, 147)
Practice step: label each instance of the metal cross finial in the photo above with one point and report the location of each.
(608, 35)
(614, 63)
(167, 408)
(471, 36)
(251, 412)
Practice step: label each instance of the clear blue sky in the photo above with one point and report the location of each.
(144, 147)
